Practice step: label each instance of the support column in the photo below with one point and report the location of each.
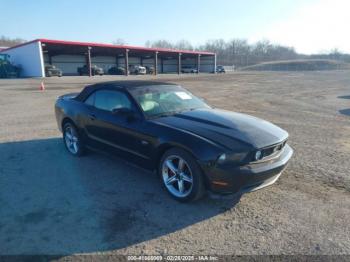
(126, 62)
(179, 64)
(162, 65)
(117, 61)
(89, 60)
(215, 64)
(155, 63)
(198, 63)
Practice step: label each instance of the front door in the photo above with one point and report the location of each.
(115, 132)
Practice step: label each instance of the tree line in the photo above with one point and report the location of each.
(8, 42)
(237, 52)
(240, 53)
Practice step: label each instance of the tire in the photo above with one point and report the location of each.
(72, 140)
(188, 179)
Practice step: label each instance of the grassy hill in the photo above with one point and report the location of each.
(299, 65)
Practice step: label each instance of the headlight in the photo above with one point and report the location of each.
(231, 158)
(221, 158)
(258, 155)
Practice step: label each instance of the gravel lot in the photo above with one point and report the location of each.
(53, 203)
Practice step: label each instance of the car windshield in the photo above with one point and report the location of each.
(165, 100)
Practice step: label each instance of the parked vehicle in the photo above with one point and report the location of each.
(164, 127)
(116, 71)
(188, 69)
(95, 70)
(149, 70)
(137, 69)
(7, 69)
(220, 69)
(51, 70)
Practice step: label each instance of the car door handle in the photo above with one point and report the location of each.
(92, 117)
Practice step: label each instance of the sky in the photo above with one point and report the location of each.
(310, 26)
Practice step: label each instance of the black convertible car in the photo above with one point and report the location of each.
(164, 127)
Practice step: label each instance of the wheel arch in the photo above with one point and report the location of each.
(66, 120)
(167, 146)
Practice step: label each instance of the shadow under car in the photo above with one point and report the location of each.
(53, 203)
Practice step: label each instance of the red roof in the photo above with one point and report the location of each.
(61, 42)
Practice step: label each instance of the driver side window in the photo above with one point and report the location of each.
(109, 100)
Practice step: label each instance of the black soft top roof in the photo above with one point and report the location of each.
(117, 85)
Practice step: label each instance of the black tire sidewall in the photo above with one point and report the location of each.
(198, 188)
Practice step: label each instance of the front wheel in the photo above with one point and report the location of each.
(181, 175)
(72, 140)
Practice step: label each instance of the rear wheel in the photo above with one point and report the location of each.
(72, 140)
(181, 176)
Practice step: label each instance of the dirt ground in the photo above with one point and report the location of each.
(53, 203)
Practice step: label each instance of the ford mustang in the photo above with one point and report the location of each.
(161, 126)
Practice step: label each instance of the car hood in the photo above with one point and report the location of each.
(228, 129)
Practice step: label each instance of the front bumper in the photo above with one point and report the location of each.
(242, 179)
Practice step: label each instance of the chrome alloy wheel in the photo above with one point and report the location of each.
(71, 139)
(177, 176)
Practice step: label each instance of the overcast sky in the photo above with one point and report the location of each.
(310, 26)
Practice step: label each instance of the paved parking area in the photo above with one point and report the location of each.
(53, 203)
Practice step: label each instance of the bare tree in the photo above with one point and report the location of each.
(183, 45)
(119, 41)
(8, 42)
(159, 44)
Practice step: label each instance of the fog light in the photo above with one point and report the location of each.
(258, 155)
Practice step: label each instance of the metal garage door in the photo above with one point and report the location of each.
(105, 62)
(69, 63)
